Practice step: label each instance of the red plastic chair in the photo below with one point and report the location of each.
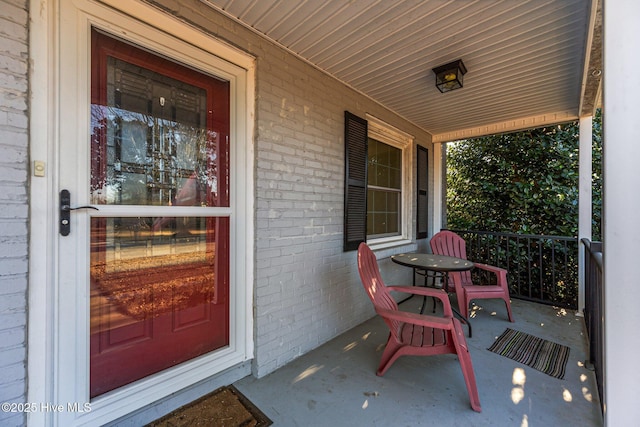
(413, 334)
(449, 243)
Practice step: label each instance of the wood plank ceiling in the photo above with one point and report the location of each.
(527, 61)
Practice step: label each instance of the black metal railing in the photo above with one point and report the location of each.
(594, 310)
(542, 269)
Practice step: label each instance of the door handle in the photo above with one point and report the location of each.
(65, 212)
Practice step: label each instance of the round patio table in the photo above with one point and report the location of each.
(432, 262)
(442, 264)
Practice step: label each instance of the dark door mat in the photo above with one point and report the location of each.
(224, 407)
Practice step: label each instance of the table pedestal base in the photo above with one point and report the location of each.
(430, 281)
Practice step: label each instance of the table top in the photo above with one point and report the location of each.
(432, 262)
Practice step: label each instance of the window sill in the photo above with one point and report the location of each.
(387, 248)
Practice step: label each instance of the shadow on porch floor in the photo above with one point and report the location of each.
(336, 385)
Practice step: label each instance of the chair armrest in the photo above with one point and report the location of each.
(417, 319)
(490, 268)
(427, 292)
(501, 273)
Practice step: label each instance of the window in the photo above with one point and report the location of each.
(384, 190)
(377, 202)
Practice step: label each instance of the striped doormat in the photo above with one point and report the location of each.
(545, 356)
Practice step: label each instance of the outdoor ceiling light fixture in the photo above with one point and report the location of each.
(449, 76)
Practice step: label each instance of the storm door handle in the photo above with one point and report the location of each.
(65, 212)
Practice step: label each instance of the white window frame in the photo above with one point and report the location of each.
(388, 134)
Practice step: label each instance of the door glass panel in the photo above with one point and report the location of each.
(156, 298)
(154, 142)
(159, 285)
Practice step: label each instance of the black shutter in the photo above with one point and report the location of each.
(422, 186)
(355, 181)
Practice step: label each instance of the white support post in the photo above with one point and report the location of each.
(438, 184)
(585, 207)
(621, 204)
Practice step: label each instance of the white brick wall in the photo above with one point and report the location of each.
(307, 289)
(13, 204)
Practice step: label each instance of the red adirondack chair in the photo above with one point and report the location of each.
(413, 334)
(449, 243)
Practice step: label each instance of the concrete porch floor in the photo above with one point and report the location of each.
(336, 385)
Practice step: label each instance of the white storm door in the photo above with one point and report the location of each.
(152, 138)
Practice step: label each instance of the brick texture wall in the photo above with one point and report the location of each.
(13, 204)
(307, 290)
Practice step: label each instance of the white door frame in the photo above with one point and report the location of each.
(58, 309)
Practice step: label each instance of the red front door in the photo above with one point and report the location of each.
(159, 281)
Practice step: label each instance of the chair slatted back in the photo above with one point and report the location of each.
(448, 243)
(373, 284)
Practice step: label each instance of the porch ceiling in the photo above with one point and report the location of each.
(530, 63)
